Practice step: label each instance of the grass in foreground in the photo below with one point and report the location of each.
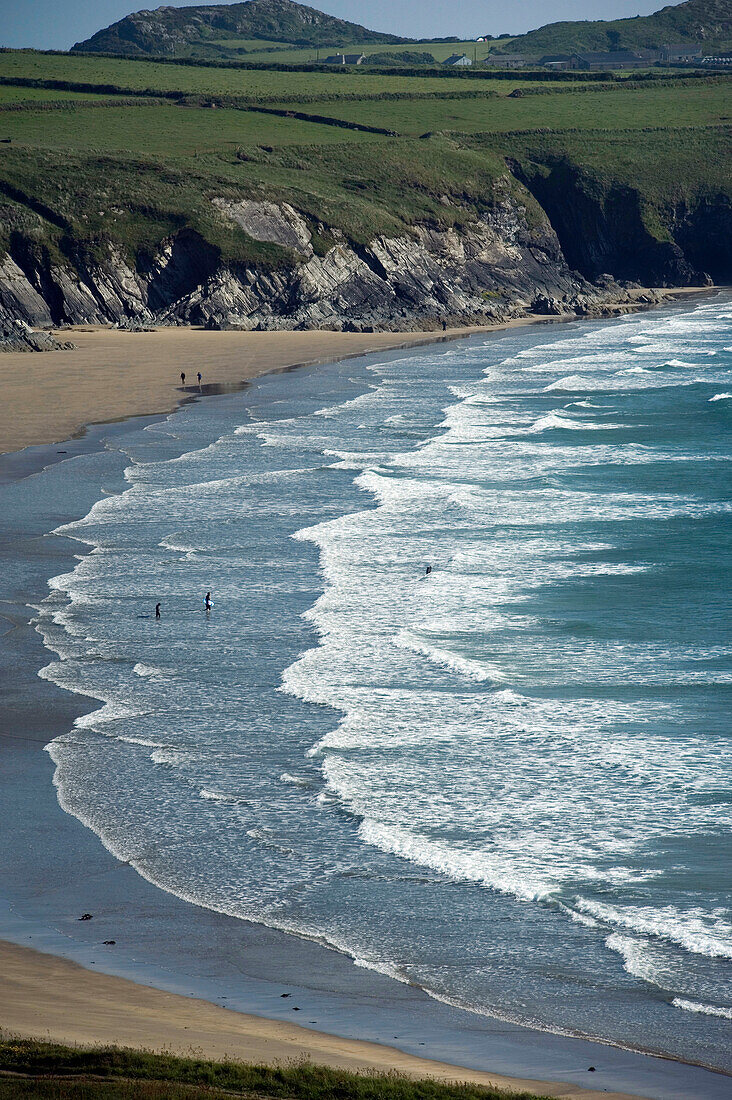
(55, 1071)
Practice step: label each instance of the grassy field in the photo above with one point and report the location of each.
(165, 130)
(10, 94)
(613, 109)
(127, 1075)
(208, 80)
(93, 170)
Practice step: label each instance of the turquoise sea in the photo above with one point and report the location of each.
(506, 781)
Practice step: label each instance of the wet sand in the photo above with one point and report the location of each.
(45, 997)
(52, 395)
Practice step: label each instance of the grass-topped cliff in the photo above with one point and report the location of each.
(706, 22)
(145, 165)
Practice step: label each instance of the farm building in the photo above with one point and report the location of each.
(506, 61)
(458, 60)
(558, 61)
(682, 52)
(615, 59)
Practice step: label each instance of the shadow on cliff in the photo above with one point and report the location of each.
(608, 227)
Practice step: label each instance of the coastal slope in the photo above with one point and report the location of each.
(135, 192)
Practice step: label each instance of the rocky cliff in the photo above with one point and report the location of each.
(503, 263)
(609, 225)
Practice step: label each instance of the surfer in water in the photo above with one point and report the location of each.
(208, 602)
(157, 610)
(428, 570)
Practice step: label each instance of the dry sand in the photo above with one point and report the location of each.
(46, 997)
(50, 396)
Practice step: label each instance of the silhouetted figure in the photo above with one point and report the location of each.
(157, 610)
(428, 570)
(182, 378)
(444, 326)
(208, 602)
(199, 376)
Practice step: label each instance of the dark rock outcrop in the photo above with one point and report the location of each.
(19, 336)
(504, 263)
(602, 228)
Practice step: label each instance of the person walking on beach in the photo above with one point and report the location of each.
(208, 602)
(157, 610)
(182, 378)
(199, 376)
(444, 326)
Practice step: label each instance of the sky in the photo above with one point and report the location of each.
(57, 24)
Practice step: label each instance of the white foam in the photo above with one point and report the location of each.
(705, 1010)
(168, 757)
(467, 866)
(586, 405)
(150, 672)
(330, 411)
(177, 545)
(110, 712)
(721, 397)
(216, 796)
(465, 666)
(295, 780)
(638, 960)
(572, 382)
(699, 932)
(555, 420)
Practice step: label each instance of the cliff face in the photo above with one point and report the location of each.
(510, 260)
(610, 228)
(497, 266)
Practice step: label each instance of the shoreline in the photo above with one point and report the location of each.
(113, 1011)
(116, 374)
(146, 367)
(544, 1046)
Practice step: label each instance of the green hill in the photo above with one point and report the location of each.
(197, 30)
(708, 22)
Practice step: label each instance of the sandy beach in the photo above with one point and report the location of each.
(44, 997)
(111, 374)
(50, 397)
